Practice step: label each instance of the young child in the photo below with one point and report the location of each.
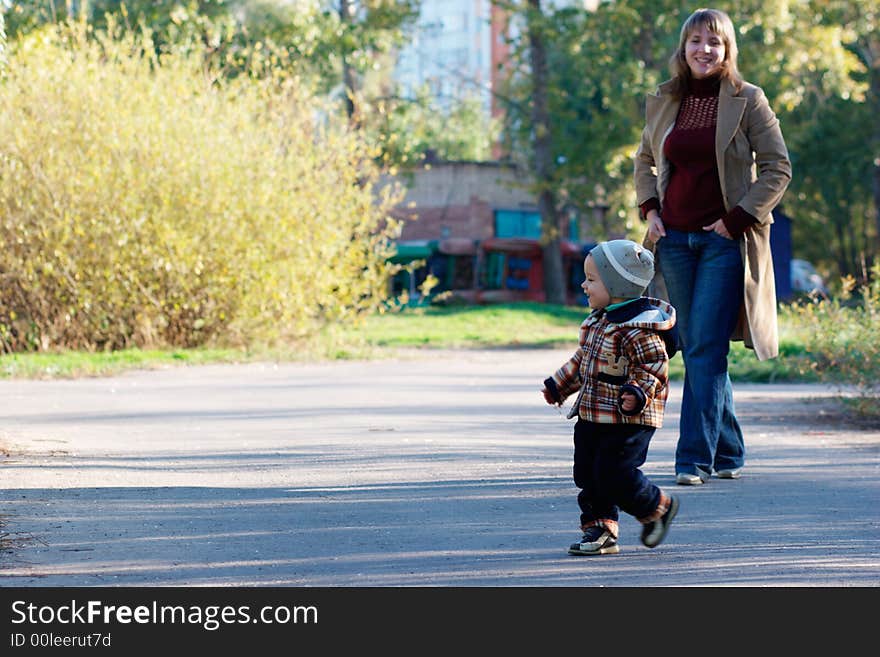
(619, 373)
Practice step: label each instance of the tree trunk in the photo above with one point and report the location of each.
(871, 258)
(842, 250)
(645, 42)
(2, 44)
(554, 279)
(869, 52)
(346, 16)
(875, 101)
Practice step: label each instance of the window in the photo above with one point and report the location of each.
(518, 223)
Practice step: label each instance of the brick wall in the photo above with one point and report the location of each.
(458, 199)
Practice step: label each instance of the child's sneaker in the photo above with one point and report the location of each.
(596, 540)
(654, 532)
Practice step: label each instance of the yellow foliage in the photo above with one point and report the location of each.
(148, 201)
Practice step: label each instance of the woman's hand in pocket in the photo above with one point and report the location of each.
(720, 228)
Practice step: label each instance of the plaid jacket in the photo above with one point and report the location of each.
(626, 349)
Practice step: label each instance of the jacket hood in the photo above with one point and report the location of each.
(649, 313)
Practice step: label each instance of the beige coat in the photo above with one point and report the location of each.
(755, 171)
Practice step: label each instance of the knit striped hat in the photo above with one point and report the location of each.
(626, 268)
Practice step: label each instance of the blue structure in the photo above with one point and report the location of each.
(780, 249)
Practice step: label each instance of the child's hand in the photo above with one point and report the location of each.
(548, 397)
(627, 401)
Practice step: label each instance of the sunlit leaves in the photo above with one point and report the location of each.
(818, 62)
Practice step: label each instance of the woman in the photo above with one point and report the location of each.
(711, 166)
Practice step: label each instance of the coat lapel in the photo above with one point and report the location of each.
(661, 110)
(730, 113)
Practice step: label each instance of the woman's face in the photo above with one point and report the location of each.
(704, 52)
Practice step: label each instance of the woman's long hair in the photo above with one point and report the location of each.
(718, 22)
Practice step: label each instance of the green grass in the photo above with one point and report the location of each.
(535, 325)
(793, 364)
(519, 325)
(71, 364)
(505, 325)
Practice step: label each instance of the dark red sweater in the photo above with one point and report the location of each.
(693, 197)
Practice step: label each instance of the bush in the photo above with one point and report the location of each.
(842, 338)
(147, 201)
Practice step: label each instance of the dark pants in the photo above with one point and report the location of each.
(607, 458)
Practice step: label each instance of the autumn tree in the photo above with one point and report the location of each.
(819, 63)
(815, 59)
(599, 65)
(2, 43)
(147, 201)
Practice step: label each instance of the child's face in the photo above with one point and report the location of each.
(593, 286)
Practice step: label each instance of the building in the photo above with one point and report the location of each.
(463, 199)
(459, 48)
(451, 51)
(476, 227)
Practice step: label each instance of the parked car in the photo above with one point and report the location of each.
(806, 280)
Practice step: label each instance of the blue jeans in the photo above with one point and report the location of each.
(704, 278)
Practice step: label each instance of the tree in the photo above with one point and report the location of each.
(600, 66)
(346, 18)
(2, 42)
(368, 31)
(603, 64)
(167, 19)
(343, 48)
(554, 278)
(859, 27)
(817, 61)
(530, 118)
(406, 128)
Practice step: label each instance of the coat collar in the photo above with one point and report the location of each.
(623, 312)
(727, 88)
(663, 108)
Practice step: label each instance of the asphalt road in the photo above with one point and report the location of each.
(442, 470)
